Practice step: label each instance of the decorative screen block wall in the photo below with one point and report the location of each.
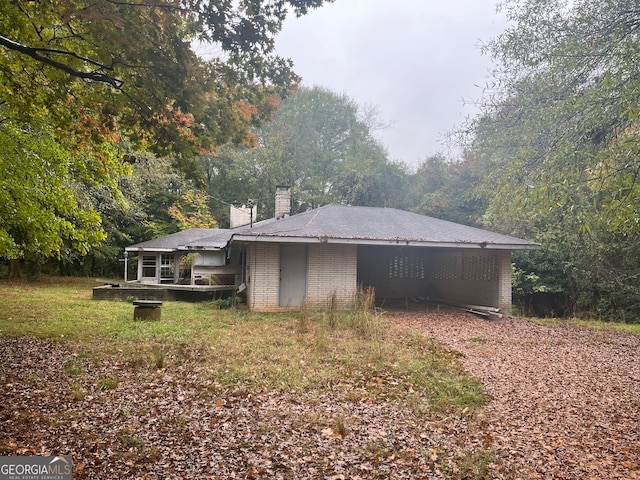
(473, 277)
(393, 272)
(406, 266)
(475, 266)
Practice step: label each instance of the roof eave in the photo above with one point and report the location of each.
(149, 249)
(381, 242)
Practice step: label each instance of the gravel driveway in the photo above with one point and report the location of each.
(565, 400)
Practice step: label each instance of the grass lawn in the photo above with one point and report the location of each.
(299, 350)
(592, 324)
(354, 357)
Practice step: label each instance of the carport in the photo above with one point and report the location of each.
(477, 276)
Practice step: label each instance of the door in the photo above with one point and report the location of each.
(148, 269)
(293, 275)
(166, 268)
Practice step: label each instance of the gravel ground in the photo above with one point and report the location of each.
(565, 400)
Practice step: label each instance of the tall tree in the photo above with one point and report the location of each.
(560, 134)
(130, 68)
(319, 144)
(40, 215)
(86, 77)
(449, 190)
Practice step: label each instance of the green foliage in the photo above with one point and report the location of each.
(40, 213)
(319, 144)
(539, 271)
(138, 213)
(559, 138)
(225, 303)
(192, 211)
(447, 190)
(130, 69)
(84, 83)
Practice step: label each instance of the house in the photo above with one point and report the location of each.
(325, 254)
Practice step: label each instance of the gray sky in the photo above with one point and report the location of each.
(416, 60)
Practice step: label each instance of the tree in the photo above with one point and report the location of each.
(318, 144)
(39, 211)
(89, 80)
(130, 68)
(192, 211)
(448, 190)
(560, 136)
(563, 125)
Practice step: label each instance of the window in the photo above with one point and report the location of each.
(149, 266)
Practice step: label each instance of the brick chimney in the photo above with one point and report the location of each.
(242, 215)
(283, 201)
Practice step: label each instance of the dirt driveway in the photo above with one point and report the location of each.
(565, 400)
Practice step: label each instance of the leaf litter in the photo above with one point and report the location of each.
(565, 400)
(175, 422)
(565, 404)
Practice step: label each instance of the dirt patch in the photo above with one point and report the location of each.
(565, 400)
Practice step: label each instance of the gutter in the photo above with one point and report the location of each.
(150, 250)
(380, 242)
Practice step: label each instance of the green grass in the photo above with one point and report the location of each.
(592, 324)
(354, 354)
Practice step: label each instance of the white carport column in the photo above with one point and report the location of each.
(126, 266)
(505, 282)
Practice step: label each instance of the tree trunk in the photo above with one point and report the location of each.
(14, 268)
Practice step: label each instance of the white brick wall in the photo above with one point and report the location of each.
(332, 270)
(243, 215)
(505, 282)
(263, 267)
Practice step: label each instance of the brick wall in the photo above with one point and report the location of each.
(263, 268)
(474, 277)
(332, 270)
(505, 282)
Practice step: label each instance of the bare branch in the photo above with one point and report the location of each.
(37, 54)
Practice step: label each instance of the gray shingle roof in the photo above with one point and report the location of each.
(335, 223)
(343, 224)
(179, 240)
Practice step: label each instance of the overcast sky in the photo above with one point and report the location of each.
(418, 61)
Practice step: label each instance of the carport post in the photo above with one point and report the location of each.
(126, 265)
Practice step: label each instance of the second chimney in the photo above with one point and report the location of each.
(283, 201)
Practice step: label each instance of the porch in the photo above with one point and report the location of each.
(144, 291)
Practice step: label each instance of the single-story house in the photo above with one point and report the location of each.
(326, 254)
